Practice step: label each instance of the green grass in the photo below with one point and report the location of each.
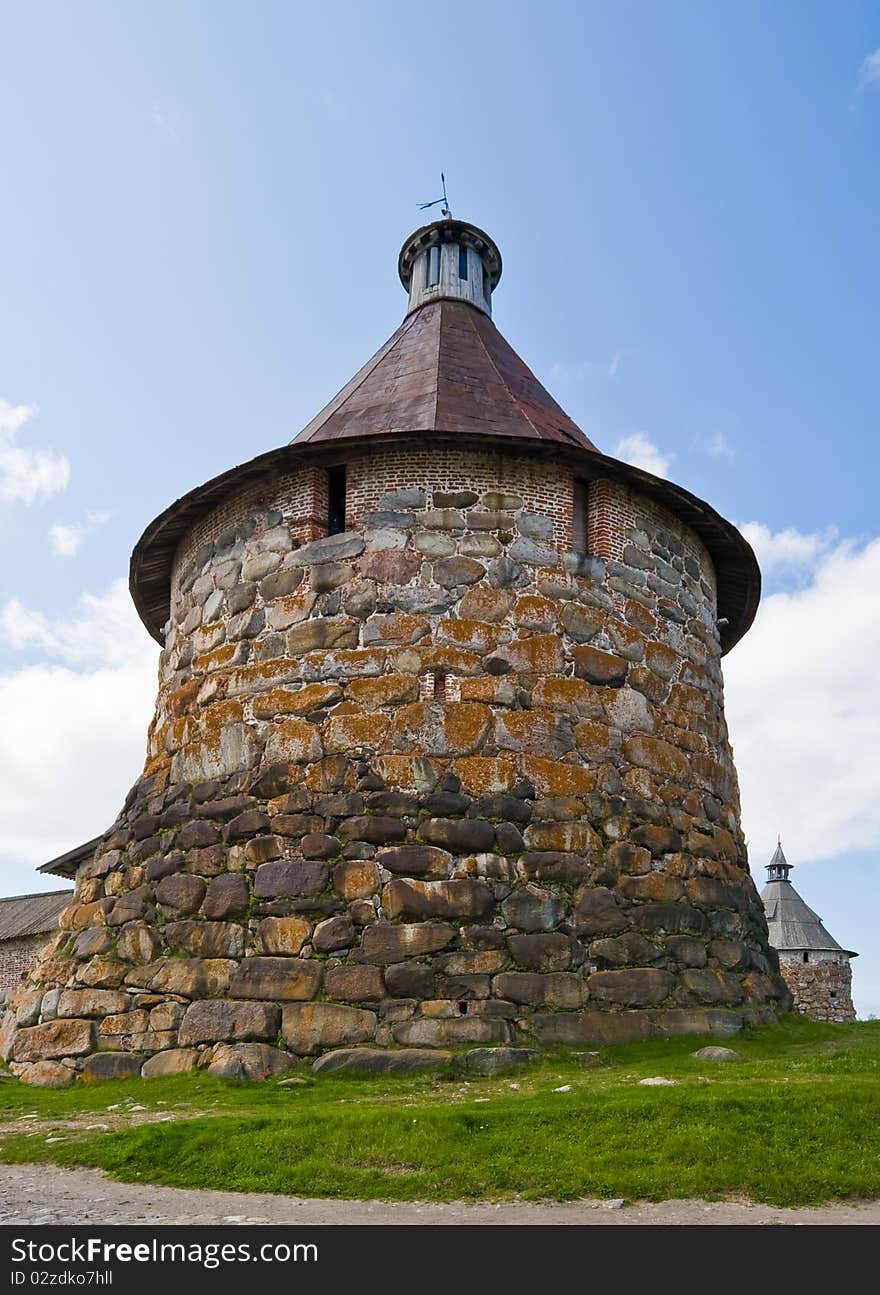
(796, 1122)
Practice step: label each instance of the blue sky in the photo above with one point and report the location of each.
(202, 211)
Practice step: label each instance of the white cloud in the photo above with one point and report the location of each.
(643, 453)
(105, 630)
(14, 417)
(869, 72)
(74, 734)
(577, 371)
(719, 446)
(164, 118)
(803, 706)
(788, 552)
(27, 475)
(64, 540)
(614, 366)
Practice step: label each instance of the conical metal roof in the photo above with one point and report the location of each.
(448, 369)
(793, 926)
(446, 372)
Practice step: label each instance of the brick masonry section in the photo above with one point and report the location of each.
(15, 958)
(822, 987)
(438, 780)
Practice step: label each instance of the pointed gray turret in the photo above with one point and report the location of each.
(793, 926)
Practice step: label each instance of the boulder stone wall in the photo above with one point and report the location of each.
(438, 779)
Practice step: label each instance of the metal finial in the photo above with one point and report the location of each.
(444, 210)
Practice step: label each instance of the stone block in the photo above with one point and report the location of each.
(92, 1002)
(354, 983)
(458, 836)
(254, 1062)
(532, 909)
(448, 1031)
(221, 1021)
(410, 980)
(598, 912)
(136, 1022)
(308, 1028)
(283, 935)
(356, 879)
(190, 977)
(658, 756)
(713, 986)
(386, 943)
(137, 943)
(205, 939)
(599, 667)
(581, 623)
(591, 1027)
(655, 887)
(294, 740)
(66, 1038)
(630, 949)
(456, 899)
(334, 933)
(173, 1061)
(276, 978)
(416, 861)
(375, 829)
(554, 989)
(673, 1022)
(47, 1074)
(541, 952)
(390, 567)
(382, 1061)
(181, 893)
(497, 1061)
(333, 548)
(291, 877)
(636, 987)
(689, 952)
(227, 896)
(452, 572)
(102, 1066)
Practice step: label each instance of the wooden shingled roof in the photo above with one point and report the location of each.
(22, 915)
(446, 369)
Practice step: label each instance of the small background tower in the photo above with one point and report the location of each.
(815, 967)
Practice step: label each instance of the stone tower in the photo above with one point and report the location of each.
(439, 754)
(814, 966)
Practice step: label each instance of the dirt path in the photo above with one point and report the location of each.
(34, 1194)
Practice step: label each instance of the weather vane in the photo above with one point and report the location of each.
(444, 210)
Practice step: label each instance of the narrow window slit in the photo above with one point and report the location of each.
(439, 686)
(462, 262)
(335, 500)
(579, 536)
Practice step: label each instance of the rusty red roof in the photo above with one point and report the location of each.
(446, 369)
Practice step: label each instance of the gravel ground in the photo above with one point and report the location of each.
(44, 1194)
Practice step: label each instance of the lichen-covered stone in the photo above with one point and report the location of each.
(434, 781)
(308, 1028)
(221, 1020)
(102, 1066)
